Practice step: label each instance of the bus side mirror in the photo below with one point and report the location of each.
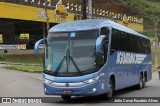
(99, 52)
(99, 43)
(36, 46)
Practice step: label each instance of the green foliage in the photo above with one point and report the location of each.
(136, 3)
(2, 57)
(151, 8)
(154, 0)
(149, 33)
(152, 11)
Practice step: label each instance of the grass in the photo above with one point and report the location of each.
(24, 59)
(36, 69)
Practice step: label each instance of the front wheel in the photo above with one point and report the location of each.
(66, 97)
(110, 92)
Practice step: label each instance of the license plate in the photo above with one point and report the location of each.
(67, 91)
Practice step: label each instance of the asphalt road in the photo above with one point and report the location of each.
(23, 84)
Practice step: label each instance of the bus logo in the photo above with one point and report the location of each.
(130, 58)
(67, 84)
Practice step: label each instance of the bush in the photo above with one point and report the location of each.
(2, 57)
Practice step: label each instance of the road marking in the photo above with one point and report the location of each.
(13, 84)
(35, 77)
(10, 85)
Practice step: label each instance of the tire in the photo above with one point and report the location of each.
(140, 85)
(111, 88)
(66, 97)
(144, 81)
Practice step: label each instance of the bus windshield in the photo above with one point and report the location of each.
(71, 53)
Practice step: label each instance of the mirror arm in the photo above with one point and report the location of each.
(36, 46)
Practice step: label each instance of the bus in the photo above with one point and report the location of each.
(94, 57)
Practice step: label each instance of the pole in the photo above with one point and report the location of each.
(84, 16)
(44, 30)
(156, 60)
(90, 9)
(47, 18)
(155, 26)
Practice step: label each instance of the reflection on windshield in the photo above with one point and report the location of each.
(74, 53)
(83, 53)
(56, 52)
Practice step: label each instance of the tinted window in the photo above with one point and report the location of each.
(127, 42)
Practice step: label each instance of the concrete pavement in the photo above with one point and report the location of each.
(22, 84)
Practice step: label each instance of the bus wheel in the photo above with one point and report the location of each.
(66, 97)
(110, 92)
(144, 81)
(140, 85)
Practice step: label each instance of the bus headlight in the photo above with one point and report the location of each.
(91, 80)
(47, 81)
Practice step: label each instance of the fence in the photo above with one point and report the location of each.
(35, 3)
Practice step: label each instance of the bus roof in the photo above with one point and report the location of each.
(90, 24)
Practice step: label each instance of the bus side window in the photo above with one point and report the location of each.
(114, 41)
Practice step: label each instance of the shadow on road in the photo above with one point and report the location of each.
(96, 99)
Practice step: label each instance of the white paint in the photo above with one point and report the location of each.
(35, 77)
(10, 85)
(129, 58)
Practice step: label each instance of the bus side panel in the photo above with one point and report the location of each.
(145, 66)
(149, 67)
(131, 75)
(127, 74)
(120, 71)
(108, 71)
(122, 77)
(149, 73)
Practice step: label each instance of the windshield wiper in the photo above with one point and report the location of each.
(74, 63)
(49, 72)
(67, 58)
(60, 65)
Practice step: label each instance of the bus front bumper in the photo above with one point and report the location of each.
(86, 90)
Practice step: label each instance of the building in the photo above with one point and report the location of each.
(24, 21)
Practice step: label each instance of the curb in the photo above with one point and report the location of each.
(8, 63)
(29, 71)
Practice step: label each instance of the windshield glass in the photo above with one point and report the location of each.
(71, 52)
